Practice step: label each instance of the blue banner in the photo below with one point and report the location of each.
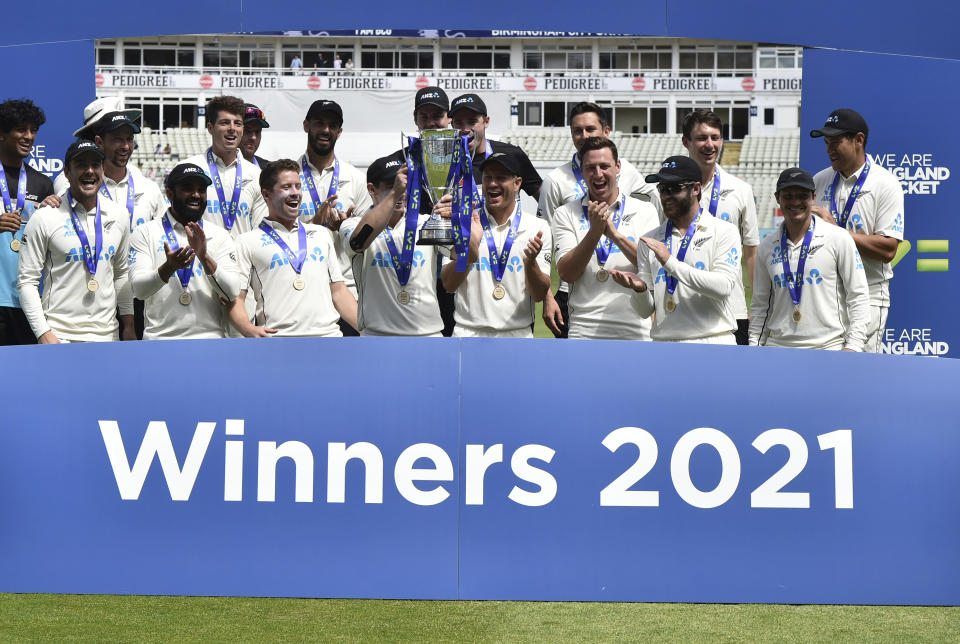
(397, 484)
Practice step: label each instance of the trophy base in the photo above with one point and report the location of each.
(435, 235)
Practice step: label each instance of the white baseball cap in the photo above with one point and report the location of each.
(98, 108)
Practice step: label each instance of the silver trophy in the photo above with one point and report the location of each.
(437, 149)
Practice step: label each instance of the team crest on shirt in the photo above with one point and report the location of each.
(814, 249)
(697, 243)
(107, 225)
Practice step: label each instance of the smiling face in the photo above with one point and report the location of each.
(796, 204)
(678, 198)
(188, 199)
(600, 171)
(283, 200)
(225, 132)
(18, 142)
(117, 146)
(322, 133)
(468, 122)
(704, 145)
(500, 187)
(845, 152)
(585, 126)
(431, 117)
(85, 173)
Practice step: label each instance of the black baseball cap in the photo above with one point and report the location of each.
(676, 169)
(384, 169)
(431, 96)
(253, 114)
(114, 120)
(842, 121)
(320, 106)
(795, 178)
(509, 159)
(468, 102)
(185, 172)
(80, 147)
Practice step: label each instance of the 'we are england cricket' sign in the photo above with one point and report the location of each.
(480, 469)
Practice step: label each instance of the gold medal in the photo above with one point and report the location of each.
(185, 298)
(603, 274)
(796, 315)
(15, 245)
(93, 285)
(671, 305)
(299, 283)
(499, 292)
(403, 297)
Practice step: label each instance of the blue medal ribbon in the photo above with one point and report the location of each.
(21, 190)
(90, 255)
(183, 274)
(715, 193)
(461, 178)
(255, 162)
(682, 251)
(498, 260)
(296, 259)
(477, 197)
(848, 207)
(131, 197)
(605, 245)
(312, 187)
(795, 282)
(229, 210)
(403, 260)
(581, 186)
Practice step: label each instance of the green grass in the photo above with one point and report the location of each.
(111, 618)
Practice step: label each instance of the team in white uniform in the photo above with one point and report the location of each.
(183, 268)
(810, 289)
(724, 196)
(687, 268)
(507, 271)
(867, 200)
(80, 250)
(595, 235)
(290, 267)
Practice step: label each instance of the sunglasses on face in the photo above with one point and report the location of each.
(672, 188)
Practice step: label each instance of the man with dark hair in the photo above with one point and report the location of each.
(595, 235)
(566, 183)
(22, 189)
(687, 278)
(396, 279)
(80, 249)
(724, 196)
(334, 189)
(867, 200)
(233, 199)
(198, 255)
(469, 117)
(290, 266)
(802, 298)
(496, 295)
(253, 123)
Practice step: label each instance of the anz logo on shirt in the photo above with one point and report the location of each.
(514, 265)
(898, 223)
(856, 223)
(384, 260)
(661, 276)
(733, 257)
(725, 216)
(812, 279)
(307, 207)
(280, 259)
(776, 256)
(132, 256)
(213, 207)
(76, 255)
(68, 230)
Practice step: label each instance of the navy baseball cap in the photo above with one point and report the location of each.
(114, 120)
(431, 96)
(842, 121)
(320, 106)
(676, 169)
(510, 159)
(468, 102)
(80, 147)
(185, 172)
(384, 169)
(795, 178)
